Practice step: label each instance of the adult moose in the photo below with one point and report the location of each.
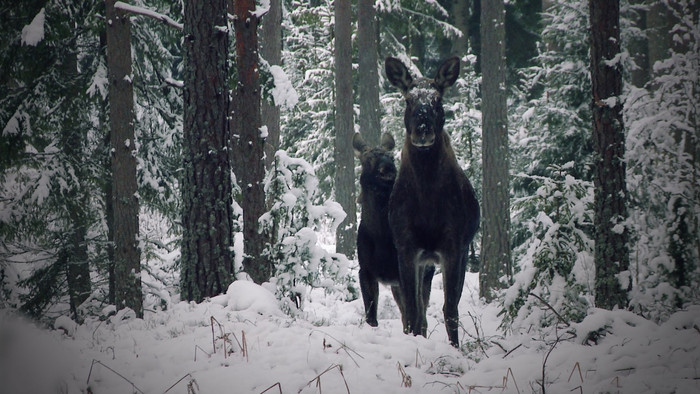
(375, 246)
(433, 211)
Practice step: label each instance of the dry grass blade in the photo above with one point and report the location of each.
(180, 380)
(406, 380)
(317, 379)
(580, 374)
(279, 387)
(196, 347)
(113, 371)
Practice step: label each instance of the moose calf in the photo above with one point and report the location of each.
(375, 246)
(433, 211)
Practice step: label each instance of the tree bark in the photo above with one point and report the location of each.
(125, 203)
(249, 144)
(344, 156)
(611, 249)
(370, 109)
(206, 262)
(74, 251)
(271, 50)
(495, 241)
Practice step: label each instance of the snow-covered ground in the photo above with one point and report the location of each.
(240, 342)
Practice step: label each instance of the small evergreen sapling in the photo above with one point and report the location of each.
(299, 262)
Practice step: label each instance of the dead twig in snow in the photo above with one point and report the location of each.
(580, 374)
(195, 352)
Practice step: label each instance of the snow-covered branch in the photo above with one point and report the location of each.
(143, 11)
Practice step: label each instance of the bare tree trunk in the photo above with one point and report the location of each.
(370, 109)
(271, 50)
(125, 203)
(344, 165)
(611, 248)
(206, 262)
(249, 146)
(495, 241)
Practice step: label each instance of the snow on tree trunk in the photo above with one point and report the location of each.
(495, 249)
(611, 249)
(125, 203)
(206, 262)
(344, 156)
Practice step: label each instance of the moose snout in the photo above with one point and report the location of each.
(422, 139)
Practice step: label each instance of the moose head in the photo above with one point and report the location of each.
(424, 117)
(378, 168)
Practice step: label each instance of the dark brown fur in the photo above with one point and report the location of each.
(433, 211)
(375, 246)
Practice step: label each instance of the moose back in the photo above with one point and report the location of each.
(433, 210)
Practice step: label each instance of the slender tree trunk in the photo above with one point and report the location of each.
(271, 50)
(206, 262)
(344, 156)
(611, 249)
(249, 145)
(125, 203)
(495, 241)
(74, 251)
(370, 109)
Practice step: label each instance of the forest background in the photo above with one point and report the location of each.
(59, 160)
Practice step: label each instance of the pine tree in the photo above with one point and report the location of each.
(495, 249)
(206, 261)
(127, 256)
(344, 130)
(611, 249)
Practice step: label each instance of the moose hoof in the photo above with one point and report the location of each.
(372, 323)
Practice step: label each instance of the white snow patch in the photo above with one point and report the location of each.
(33, 33)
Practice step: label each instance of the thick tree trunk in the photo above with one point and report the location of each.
(271, 50)
(370, 109)
(611, 249)
(249, 144)
(125, 203)
(495, 241)
(344, 156)
(206, 262)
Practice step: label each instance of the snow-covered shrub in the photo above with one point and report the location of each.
(556, 261)
(299, 261)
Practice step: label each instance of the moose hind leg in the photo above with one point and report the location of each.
(370, 296)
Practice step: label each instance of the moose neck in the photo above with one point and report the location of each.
(426, 164)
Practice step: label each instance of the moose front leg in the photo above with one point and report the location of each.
(454, 269)
(370, 295)
(410, 277)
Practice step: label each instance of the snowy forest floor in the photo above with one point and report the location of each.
(240, 342)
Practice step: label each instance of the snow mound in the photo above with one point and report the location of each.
(247, 296)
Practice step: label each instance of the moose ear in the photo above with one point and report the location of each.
(359, 145)
(447, 73)
(398, 74)
(387, 142)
